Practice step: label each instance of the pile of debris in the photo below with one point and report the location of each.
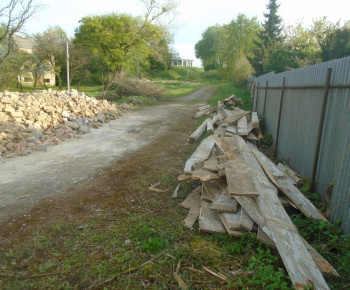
(233, 101)
(241, 188)
(30, 121)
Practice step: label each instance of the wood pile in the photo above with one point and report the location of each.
(233, 101)
(241, 189)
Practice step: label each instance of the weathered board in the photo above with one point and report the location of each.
(192, 198)
(222, 203)
(210, 126)
(199, 131)
(217, 119)
(201, 113)
(202, 153)
(211, 164)
(204, 175)
(255, 120)
(246, 221)
(242, 126)
(231, 129)
(286, 186)
(235, 115)
(209, 220)
(297, 260)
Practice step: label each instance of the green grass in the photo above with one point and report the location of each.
(178, 88)
(225, 90)
(179, 73)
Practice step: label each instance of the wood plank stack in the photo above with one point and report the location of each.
(241, 189)
(232, 101)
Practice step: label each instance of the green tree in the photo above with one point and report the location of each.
(50, 46)
(211, 48)
(269, 39)
(333, 39)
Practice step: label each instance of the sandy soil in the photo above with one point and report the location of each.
(43, 176)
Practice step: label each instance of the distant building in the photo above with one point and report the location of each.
(26, 45)
(182, 62)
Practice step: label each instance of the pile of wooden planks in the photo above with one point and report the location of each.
(232, 101)
(241, 189)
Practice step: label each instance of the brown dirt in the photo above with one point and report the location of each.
(78, 188)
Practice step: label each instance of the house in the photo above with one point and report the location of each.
(26, 45)
(182, 62)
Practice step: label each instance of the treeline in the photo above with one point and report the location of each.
(103, 46)
(244, 47)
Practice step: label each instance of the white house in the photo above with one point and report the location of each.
(182, 62)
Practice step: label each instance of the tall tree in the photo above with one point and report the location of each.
(50, 46)
(211, 48)
(14, 14)
(269, 38)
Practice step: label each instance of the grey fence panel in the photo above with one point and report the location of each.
(300, 119)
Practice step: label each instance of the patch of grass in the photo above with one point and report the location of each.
(225, 90)
(178, 89)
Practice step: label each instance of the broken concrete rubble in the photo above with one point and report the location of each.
(48, 117)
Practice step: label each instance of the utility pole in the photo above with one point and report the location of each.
(68, 89)
(137, 69)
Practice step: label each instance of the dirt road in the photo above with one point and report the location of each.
(46, 176)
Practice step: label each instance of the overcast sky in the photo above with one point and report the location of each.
(194, 16)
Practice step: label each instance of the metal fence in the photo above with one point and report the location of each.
(307, 110)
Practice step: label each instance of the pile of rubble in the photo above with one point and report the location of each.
(233, 101)
(242, 189)
(31, 121)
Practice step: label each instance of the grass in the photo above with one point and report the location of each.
(178, 89)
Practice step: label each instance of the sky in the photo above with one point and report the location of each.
(193, 16)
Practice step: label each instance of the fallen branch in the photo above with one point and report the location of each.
(23, 196)
(222, 277)
(29, 277)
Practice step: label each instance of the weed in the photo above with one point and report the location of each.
(153, 245)
(266, 142)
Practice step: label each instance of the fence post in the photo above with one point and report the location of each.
(320, 129)
(279, 117)
(256, 100)
(267, 84)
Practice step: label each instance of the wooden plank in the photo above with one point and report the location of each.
(202, 153)
(289, 172)
(230, 147)
(257, 132)
(255, 120)
(211, 164)
(297, 260)
(222, 203)
(246, 221)
(210, 126)
(210, 190)
(201, 113)
(199, 131)
(249, 126)
(287, 187)
(231, 129)
(236, 115)
(251, 136)
(204, 107)
(242, 126)
(323, 265)
(192, 198)
(204, 175)
(231, 221)
(239, 178)
(218, 118)
(220, 131)
(209, 220)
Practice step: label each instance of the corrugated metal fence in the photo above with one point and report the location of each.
(300, 126)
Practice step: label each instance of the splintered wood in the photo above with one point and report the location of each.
(243, 190)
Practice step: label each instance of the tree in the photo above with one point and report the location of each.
(211, 48)
(269, 38)
(50, 46)
(117, 39)
(333, 39)
(14, 14)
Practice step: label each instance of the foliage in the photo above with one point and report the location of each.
(269, 39)
(13, 15)
(123, 86)
(50, 46)
(266, 142)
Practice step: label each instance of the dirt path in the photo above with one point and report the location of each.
(46, 176)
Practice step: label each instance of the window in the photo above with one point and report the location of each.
(47, 80)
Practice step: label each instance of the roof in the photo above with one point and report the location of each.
(23, 43)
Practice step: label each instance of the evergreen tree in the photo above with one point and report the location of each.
(268, 39)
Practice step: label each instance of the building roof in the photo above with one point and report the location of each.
(23, 43)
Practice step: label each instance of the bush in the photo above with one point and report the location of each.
(123, 86)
